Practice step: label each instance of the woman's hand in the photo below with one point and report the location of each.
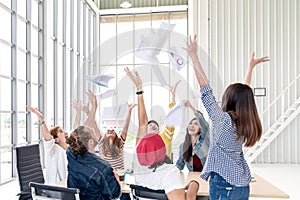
(187, 103)
(37, 112)
(192, 46)
(174, 87)
(85, 109)
(76, 104)
(131, 106)
(92, 98)
(255, 61)
(135, 78)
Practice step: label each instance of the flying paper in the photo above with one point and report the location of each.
(151, 46)
(114, 112)
(175, 116)
(177, 61)
(107, 94)
(101, 80)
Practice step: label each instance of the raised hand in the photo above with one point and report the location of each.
(37, 112)
(173, 88)
(92, 97)
(131, 106)
(187, 103)
(76, 104)
(255, 61)
(252, 64)
(85, 108)
(135, 78)
(192, 46)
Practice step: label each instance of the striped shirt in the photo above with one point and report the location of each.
(116, 163)
(225, 155)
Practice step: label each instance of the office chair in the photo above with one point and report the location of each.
(143, 192)
(41, 191)
(29, 168)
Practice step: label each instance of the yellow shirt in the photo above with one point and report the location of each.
(167, 136)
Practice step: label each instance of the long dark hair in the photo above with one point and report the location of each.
(187, 147)
(114, 149)
(238, 101)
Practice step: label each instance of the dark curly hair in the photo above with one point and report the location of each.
(79, 139)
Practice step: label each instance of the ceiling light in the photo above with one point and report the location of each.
(125, 4)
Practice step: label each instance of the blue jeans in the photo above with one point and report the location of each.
(219, 189)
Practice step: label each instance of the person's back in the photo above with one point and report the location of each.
(93, 176)
(56, 162)
(166, 176)
(234, 124)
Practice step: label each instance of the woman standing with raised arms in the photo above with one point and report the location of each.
(235, 123)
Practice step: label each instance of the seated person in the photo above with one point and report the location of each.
(151, 168)
(193, 151)
(168, 132)
(55, 146)
(94, 177)
(111, 146)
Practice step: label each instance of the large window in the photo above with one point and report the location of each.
(120, 36)
(21, 65)
(70, 39)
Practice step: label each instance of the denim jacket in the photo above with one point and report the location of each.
(200, 147)
(93, 176)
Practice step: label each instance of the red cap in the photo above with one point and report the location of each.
(151, 150)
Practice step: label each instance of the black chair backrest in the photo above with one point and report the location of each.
(53, 192)
(143, 192)
(29, 166)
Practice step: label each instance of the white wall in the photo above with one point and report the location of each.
(229, 31)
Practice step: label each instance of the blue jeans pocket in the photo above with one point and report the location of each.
(224, 193)
(219, 189)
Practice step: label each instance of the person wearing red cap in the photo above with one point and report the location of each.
(151, 166)
(167, 133)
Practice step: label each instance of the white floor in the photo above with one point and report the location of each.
(284, 177)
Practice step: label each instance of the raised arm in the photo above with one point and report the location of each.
(252, 64)
(202, 122)
(126, 125)
(192, 51)
(76, 104)
(85, 109)
(90, 121)
(142, 115)
(45, 131)
(173, 91)
(188, 104)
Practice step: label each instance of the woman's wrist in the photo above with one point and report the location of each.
(139, 92)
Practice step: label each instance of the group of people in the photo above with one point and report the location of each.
(213, 149)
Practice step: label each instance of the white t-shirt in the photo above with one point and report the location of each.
(56, 162)
(166, 177)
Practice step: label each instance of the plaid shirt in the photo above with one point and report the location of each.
(225, 155)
